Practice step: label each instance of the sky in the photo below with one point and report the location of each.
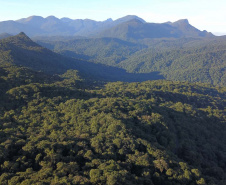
(207, 15)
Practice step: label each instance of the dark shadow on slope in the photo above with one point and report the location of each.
(185, 137)
(195, 100)
(74, 55)
(53, 63)
(22, 51)
(107, 73)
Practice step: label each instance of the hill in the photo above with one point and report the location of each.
(194, 61)
(21, 50)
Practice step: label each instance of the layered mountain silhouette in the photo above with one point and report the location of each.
(136, 29)
(128, 27)
(20, 50)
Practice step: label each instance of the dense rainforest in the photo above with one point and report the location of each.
(61, 130)
(62, 124)
(183, 59)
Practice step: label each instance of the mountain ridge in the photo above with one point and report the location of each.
(53, 26)
(135, 29)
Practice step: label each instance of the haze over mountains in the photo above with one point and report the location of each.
(171, 50)
(128, 27)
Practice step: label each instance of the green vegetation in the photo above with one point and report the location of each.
(108, 51)
(197, 61)
(22, 51)
(185, 59)
(65, 128)
(56, 130)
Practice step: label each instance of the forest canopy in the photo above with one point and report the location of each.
(63, 130)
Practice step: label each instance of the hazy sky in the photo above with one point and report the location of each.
(207, 15)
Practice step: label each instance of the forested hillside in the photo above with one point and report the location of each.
(21, 50)
(185, 59)
(108, 51)
(61, 130)
(197, 61)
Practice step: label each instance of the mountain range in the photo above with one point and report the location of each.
(129, 27)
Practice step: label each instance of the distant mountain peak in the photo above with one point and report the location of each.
(30, 19)
(179, 22)
(35, 17)
(65, 19)
(130, 17)
(135, 21)
(23, 39)
(51, 17)
(53, 26)
(22, 34)
(183, 21)
(108, 20)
